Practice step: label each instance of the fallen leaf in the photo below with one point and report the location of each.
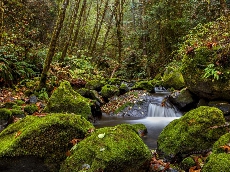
(75, 141)
(68, 153)
(226, 148)
(101, 135)
(17, 134)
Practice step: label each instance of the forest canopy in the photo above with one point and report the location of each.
(129, 39)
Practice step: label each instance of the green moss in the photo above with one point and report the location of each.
(123, 88)
(46, 137)
(5, 114)
(111, 149)
(19, 102)
(9, 105)
(173, 78)
(114, 81)
(16, 107)
(30, 109)
(222, 141)
(83, 92)
(17, 113)
(187, 163)
(122, 107)
(108, 91)
(192, 132)
(94, 85)
(217, 163)
(65, 99)
(144, 85)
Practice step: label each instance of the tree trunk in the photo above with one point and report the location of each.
(99, 27)
(71, 28)
(83, 8)
(53, 43)
(1, 20)
(108, 30)
(96, 24)
(119, 23)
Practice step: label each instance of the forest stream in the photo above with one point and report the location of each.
(155, 119)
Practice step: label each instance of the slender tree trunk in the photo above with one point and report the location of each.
(133, 8)
(108, 30)
(1, 20)
(83, 8)
(119, 23)
(53, 43)
(99, 27)
(71, 28)
(96, 24)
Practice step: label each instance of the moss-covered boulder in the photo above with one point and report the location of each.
(183, 99)
(204, 79)
(206, 62)
(94, 85)
(111, 149)
(219, 160)
(192, 132)
(144, 85)
(65, 99)
(172, 78)
(45, 137)
(109, 91)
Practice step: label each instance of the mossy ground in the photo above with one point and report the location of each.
(192, 132)
(114, 149)
(46, 137)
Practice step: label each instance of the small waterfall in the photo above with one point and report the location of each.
(162, 111)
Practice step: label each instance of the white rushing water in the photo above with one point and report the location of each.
(155, 110)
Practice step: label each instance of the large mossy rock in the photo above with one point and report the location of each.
(113, 149)
(144, 85)
(65, 99)
(210, 85)
(206, 62)
(192, 132)
(182, 99)
(42, 137)
(109, 91)
(173, 78)
(219, 160)
(94, 85)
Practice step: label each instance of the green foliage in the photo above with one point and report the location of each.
(211, 72)
(43, 95)
(80, 67)
(13, 69)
